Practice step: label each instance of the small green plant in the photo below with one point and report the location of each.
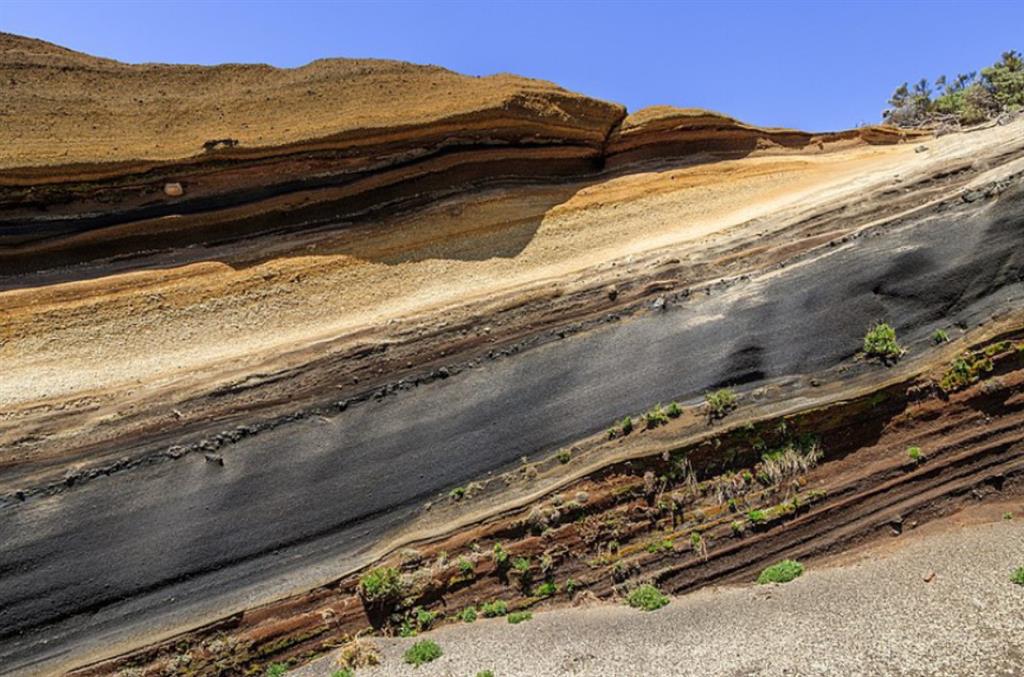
(570, 586)
(546, 589)
(673, 410)
(940, 336)
(517, 617)
(521, 564)
(422, 652)
(457, 494)
(407, 629)
(646, 597)
(468, 615)
(1018, 576)
(880, 342)
(720, 402)
(757, 516)
(914, 454)
(782, 572)
(465, 567)
(425, 619)
(564, 456)
(626, 426)
(500, 556)
(276, 670)
(664, 545)
(966, 370)
(494, 609)
(381, 585)
(655, 417)
(1007, 515)
(344, 672)
(737, 528)
(485, 673)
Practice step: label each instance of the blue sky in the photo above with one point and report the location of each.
(822, 65)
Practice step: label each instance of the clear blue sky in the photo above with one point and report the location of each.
(822, 65)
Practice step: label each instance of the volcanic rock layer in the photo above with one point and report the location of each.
(260, 328)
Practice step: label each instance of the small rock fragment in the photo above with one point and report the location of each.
(920, 149)
(613, 292)
(173, 190)
(214, 458)
(929, 577)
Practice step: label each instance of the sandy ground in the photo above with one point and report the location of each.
(876, 615)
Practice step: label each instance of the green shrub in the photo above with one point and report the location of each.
(494, 609)
(627, 425)
(500, 556)
(664, 545)
(880, 342)
(517, 617)
(381, 585)
(673, 410)
(1018, 576)
(782, 572)
(465, 567)
(646, 597)
(468, 615)
(485, 673)
(914, 453)
(546, 589)
(276, 670)
(564, 456)
(756, 516)
(940, 336)
(737, 528)
(720, 402)
(570, 586)
(425, 619)
(655, 417)
(457, 494)
(344, 672)
(521, 564)
(966, 370)
(422, 652)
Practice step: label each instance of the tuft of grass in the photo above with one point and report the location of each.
(940, 336)
(468, 615)
(485, 673)
(494, 609)
(422, 652)
(914, 454)
(880, 342)
(344, 672)
(517, 617)
(646, 597)
(782, 572)
(276, 670)
(381, 585)
(720, 402)
(1017, 576)
(564, 456)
